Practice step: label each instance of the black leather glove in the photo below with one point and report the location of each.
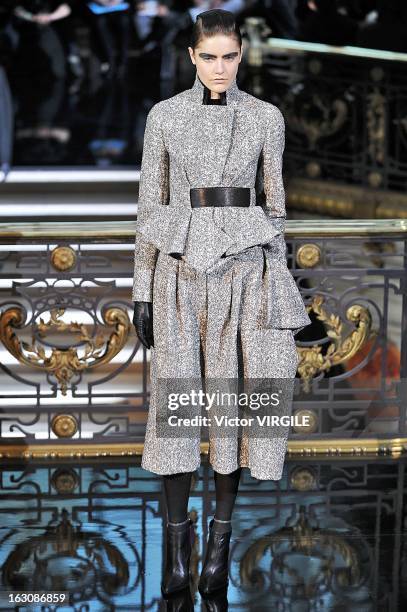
(143, 322)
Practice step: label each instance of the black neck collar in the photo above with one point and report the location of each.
(200, 94)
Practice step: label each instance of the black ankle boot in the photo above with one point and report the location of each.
(215, 570)
(177, 557)
(217, 602)
(181, 601)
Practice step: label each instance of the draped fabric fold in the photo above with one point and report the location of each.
(165, 227)
(203, 235)
(283, 306)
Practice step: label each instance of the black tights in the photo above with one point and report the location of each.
(177, 487)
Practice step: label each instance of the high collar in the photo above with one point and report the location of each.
(197, 93)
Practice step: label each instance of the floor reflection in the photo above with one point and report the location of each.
(329, 536)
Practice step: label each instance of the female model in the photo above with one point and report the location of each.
(211, 278)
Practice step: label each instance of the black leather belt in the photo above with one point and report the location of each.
(220, 196)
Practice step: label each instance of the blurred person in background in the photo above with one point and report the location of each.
(66, 31)
(357, 9)
(42, 126)
(324, 24)
(388, 32)
(155, 21)
(38, 39)
(280, 16)
(110, 22)
(42, 112)
(198, 6)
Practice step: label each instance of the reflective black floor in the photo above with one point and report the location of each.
(331, 535)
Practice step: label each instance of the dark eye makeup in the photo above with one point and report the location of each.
(209, 55)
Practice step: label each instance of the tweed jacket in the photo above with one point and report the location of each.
(189, 144)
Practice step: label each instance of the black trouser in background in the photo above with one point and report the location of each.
(111, 33)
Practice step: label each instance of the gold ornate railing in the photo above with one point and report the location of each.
(345, 122)
(74, 378)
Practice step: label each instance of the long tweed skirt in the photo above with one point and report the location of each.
(210, 325)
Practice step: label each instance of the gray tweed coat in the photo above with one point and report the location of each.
(229, 307)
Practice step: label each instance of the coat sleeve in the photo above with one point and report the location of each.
(269, 181)
(153, 190)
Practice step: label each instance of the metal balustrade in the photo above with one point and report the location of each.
(74, 379)
(345, 112)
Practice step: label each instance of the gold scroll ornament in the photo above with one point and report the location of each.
(64, 363)
(342, 347)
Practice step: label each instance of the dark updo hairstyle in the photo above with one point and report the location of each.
(215, 21)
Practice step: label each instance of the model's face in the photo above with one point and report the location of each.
(217, 59)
